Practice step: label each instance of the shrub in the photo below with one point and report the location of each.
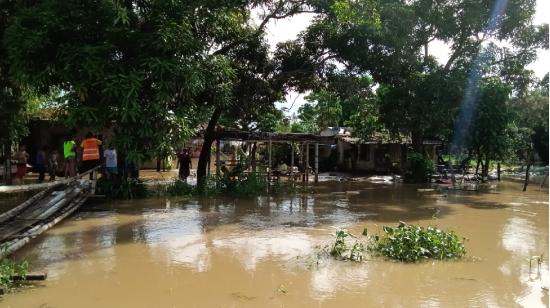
(412, 243)
(9, 269)
(123, 188)
(421, 168)
(180, 188)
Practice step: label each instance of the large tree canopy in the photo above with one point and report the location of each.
(390, 41)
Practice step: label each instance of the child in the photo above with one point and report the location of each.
(40, 164)
(111, 166)
(21, 157)
(53, 164)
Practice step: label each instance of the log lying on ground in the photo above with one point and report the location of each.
(30, 277)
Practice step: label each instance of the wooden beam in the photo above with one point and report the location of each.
(316, 162)
(292, 162)
(269, 163)
(307, 162)
(218, 157)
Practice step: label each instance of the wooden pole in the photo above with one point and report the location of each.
(217, 157)
(307, 162)
(292, 162)
(498, 171)
(269, 162)
(316, 162)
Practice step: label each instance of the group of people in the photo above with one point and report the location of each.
(48, 161)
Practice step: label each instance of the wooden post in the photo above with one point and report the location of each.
(217, 157)
(292, 162)
(302, 161)
(498, 171)
(269, 162)
(316, 162)
(307, 162)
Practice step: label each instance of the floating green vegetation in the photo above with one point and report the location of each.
(11, 274)
(407, 243)
(123, 188)
(346, 247)
(411, 243)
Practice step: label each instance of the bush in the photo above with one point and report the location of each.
(9, 269)
(421, 168)
(412, 243)
(180, 188)
(123, 188)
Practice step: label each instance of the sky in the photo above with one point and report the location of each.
(289, 28)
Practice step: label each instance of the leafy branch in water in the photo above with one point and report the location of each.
(411, 243)
(346, 247)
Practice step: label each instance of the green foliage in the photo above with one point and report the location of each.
(143, 66)
(180, 188)
(491, 120)
(10, 269)
(411, 243)
(420, 168)
(122, 188)
(238, 185)
(346, 247)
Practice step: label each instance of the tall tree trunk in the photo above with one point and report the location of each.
(206, 150)
(498, 171)
(529, 163)
(485, 173)
(7, 163)
(478, 164)
(158, 163)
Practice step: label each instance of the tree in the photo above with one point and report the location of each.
(12, 104)
(142, 67)
(529, 127)
(490, 137)
(390, 40)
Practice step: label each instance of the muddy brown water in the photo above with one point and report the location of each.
(258, 253)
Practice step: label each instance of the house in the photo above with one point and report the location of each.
(381, 153)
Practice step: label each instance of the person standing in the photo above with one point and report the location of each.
(53, 165)
(40, 164)
(21, 158)
(111, 165)
(90, 152)
(69, 153)
(184, 162)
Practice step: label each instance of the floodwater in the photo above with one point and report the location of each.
(259, 253)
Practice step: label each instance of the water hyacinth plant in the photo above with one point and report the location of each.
(411, 243)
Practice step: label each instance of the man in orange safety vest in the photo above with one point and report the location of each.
(90, 152)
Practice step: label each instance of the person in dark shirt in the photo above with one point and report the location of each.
(184, 162)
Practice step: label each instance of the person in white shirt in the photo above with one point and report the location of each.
(110, 162)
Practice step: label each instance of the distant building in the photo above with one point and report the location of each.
(379, 154)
